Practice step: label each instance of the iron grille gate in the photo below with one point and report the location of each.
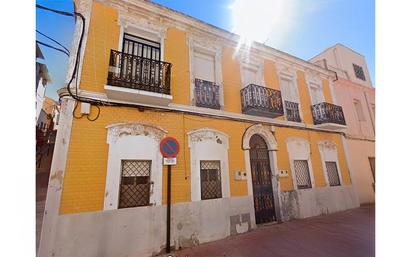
(302, 174)
(211, 185)
(135, 183)
(333, 175)
(261, 180)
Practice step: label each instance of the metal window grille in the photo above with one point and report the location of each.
(333, 175)
(135, 183)
(292, 111)
(210, 180)
(141, 47)
(302, 174)
(359, 72)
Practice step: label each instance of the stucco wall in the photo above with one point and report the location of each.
(141, 231)
(359, 152)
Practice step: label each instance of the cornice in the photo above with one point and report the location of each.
(192, 25)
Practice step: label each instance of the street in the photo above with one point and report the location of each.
(348, 233)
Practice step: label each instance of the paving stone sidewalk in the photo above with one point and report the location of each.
(349, 233)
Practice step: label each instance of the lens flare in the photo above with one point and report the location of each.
(258, 20)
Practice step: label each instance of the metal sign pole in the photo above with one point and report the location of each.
(169, 178)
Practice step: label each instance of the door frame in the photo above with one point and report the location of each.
(272, 145)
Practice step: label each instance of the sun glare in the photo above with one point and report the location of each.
(257, 20)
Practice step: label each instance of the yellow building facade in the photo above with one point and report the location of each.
(260, 139)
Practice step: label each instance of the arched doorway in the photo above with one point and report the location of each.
(261, 180)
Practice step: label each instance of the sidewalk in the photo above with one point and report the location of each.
(349, 233)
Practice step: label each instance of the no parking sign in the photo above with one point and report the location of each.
(169, 147)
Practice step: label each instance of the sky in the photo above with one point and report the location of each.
(302, 28)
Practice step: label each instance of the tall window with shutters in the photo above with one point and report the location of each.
(206, 90)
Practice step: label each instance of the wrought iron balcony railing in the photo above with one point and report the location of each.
(261, 101)
(132, 71)
(206, 94)
(327, 113)
(292, 111)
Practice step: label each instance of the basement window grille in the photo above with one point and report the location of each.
(135, 183)
(211, 184)
(302, 174)
(333, 175)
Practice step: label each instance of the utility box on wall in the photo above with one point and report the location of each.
(283, 173)
(240, 175)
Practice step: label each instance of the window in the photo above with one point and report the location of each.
(359, 72)
(211, 186)
(372, 164)
(250, 76)
(359, 110)
(204, 67)
(333, 175)
(290, 100)
(302, 174)
(135, 183)
(141, 47)
(316, 94)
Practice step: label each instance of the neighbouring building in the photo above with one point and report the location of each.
(42, 79)
(353, 91)
(46, 128)
(260, 136)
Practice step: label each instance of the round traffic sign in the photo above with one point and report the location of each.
(169, 147)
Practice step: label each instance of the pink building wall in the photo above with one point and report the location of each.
(360, 134)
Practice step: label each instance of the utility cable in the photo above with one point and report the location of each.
(55, 48)
(97, 102)
(53, 40)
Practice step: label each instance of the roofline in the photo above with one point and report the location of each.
(229, 35)
(333, 46)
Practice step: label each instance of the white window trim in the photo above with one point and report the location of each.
(318, 86)
(142, 144)
(151, 32)
(216, 52)
(329, 153)
(288, 74)
(299, 149)
(252, 64)
(208, 145)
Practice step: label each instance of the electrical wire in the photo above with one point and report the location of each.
(55, 41)
(97, 102)
(55, 48)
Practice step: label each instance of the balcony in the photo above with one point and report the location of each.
(261, 101)
(137, 79)
(207, 94)
(292, 111)
(329, 116)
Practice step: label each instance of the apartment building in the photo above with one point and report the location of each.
(259, 130)
(354, 92)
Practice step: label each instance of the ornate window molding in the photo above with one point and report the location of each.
(299, 149)
(133, 141)
(208, 145)
(253, 63)
(209, 47)
(328, 152)
(142, 27)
